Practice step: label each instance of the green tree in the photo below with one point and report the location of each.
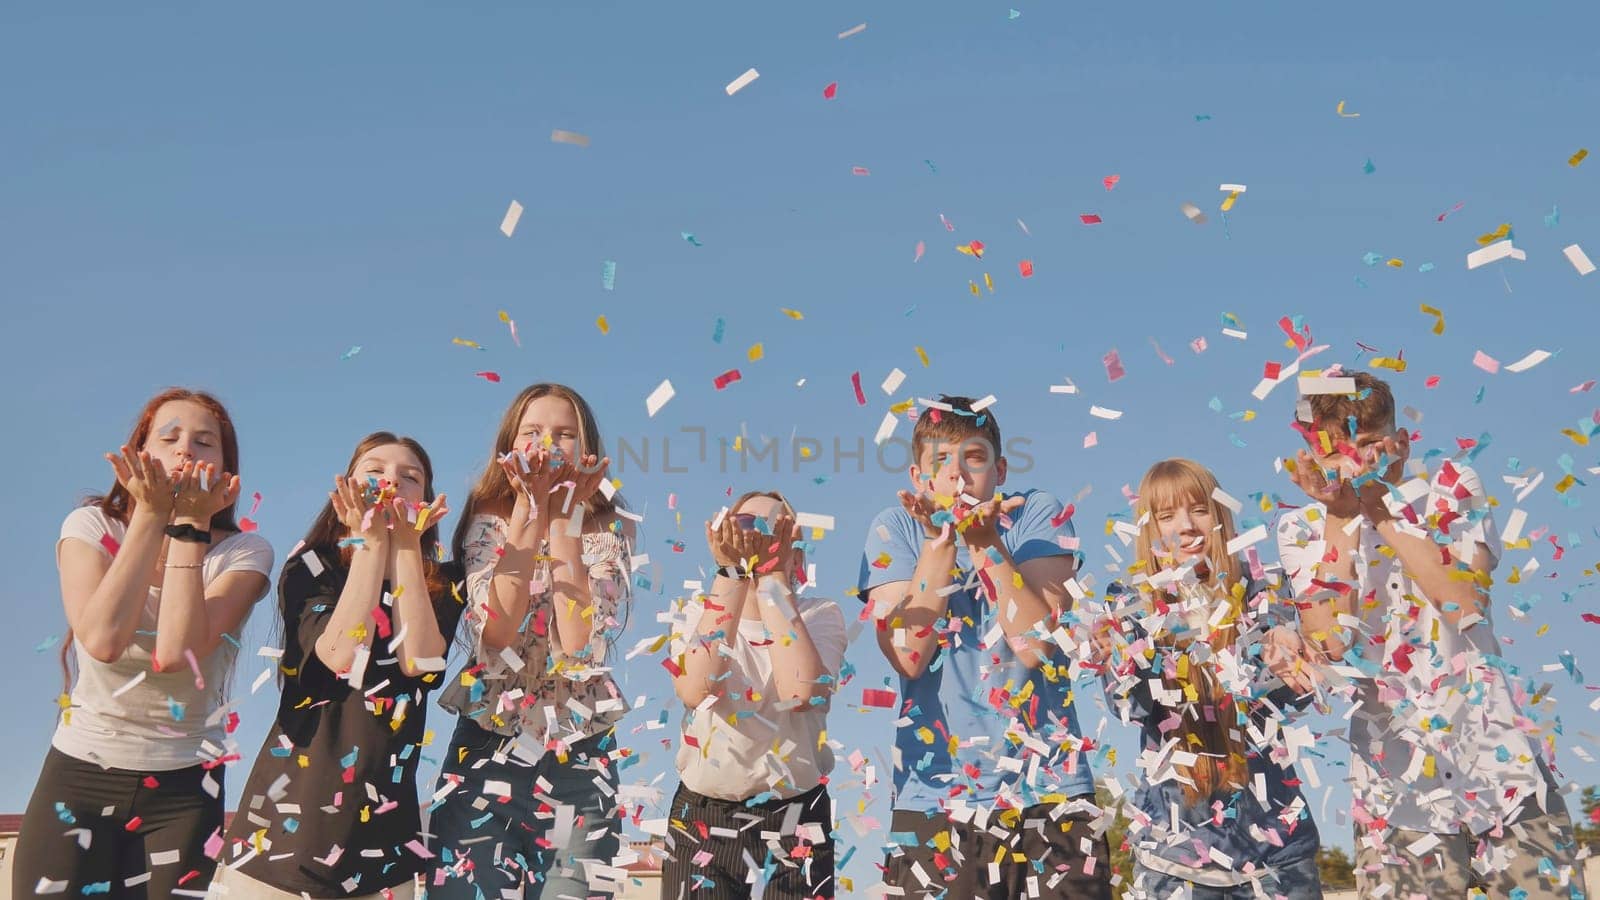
(1338, 873)
(1121, 855)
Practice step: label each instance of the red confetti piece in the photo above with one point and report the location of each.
(859, 170)
(1066, 514)
(977, 248)
(151, 782)
(726, 378)
(247, 524)
(1110, 181)
(1089, 219)
(855, 382)
(110, 543)
(829, 91)
(877, 698)
(133, 824)
(1432, 382)
(1026, 268)
(1591, 617)
(489, 376)
(1272, 370)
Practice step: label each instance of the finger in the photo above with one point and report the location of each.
(119, 467)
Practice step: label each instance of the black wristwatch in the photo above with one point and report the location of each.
(188, 533)
(730, 572)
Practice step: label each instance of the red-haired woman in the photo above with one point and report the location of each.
(330, 808)
(157, 581)
(528, 788)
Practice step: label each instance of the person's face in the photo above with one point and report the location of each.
(1187, 529)
(393, 464)
(1369, 447)
(184, 431)
(951, 469)
(550, 422)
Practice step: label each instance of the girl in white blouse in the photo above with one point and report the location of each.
(527, 792)
(157, 580)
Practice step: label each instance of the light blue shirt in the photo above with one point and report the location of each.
(963, 692)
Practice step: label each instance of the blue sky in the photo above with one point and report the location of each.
(233, 197)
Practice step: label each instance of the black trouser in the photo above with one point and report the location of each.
(128, 821)
(1052, 849)
(703, 865)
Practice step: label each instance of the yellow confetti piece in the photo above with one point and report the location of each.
(1565, 484)
(1577, 158)
(903, 407)
(366, 814)
(755, 352)
(1340, 110)
(422, 519)
(463, 342)
(303, 761)
(1396, 264)
(988, 282)
(1248, 416)
(1485, 240)
(1227, 202)
(603, 325)
(1428, 766)
(1578, 437)
(1542, 629)
(1327, 442)
(1388, 362)
(973, 286)
(922, 355)
(505, 316)
(925, 735)
(1438, 317)
(794, 314)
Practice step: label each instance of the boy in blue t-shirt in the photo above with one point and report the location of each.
(993, 794)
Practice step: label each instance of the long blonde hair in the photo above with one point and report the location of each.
(1179, 483)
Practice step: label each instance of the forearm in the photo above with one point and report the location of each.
(1319, 611)
(350, 624)
(908, 638)
(416, 627)
(571, 594)
(1024, 612)
(106, 622)
(182, 622)
(797, 667)
(508, 595)
(704, 664)
(1454, 591)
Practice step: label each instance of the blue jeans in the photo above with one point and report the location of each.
(1295, 881)
(482, 852)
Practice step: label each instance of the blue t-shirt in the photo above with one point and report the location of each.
(964, 695)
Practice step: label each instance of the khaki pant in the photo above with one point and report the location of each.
(1393, 872)
(232, 885)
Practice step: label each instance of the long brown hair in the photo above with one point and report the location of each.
(1177, 483)
(492, 488)
(118, 504)
(799, 555)
(326, 530)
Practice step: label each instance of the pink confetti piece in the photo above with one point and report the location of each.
(1089, 219)
(1582, 388)
(194, 666)
(1198, 345)
(948, 225)
(832, 90)
(1160, 353)
(1486, 362)
(877, 698)
(110, 543)
(855, 382)
(1026, 268)
(1090, 440)
(1113, 364)
(921, 249)
(859, 170)
(488, 376)
(726, 378)
(1452, 209)
(1110, 181)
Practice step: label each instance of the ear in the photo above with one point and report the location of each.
(1000, 471)
(918, 485)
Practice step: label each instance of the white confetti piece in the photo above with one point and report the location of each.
(513, 216)
(984, 404)
(1579, 259)
(132, 683)
(1226, 499)
(852, 31)
(659, 397)
(1193, 213)
(1493, 253)
(814, 520)
(1514, 525)
(1529, 361)
(1100, 412)
(1254, 536)
(569, 137)
(1235, 333)
(893, 382)
(1323, 384)
(743, 81)
(886, 428)
(1235, 188)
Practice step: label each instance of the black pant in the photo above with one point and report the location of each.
(705, 866)
(1051, 847)
(127, 819)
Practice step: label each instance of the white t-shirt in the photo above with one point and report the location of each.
(163, 722)
(764, 749)
(1433, 694)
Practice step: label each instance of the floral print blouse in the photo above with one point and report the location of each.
(531, 687)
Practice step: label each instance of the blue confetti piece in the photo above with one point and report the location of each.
(64, 814)
(1368, 167)
(689, 236)
(349, 759)
(910, 309)
(608, 275)
(47, 643)
(291, 825)
(1215, 404)
(99, 887)
(1013, 14)
(1202, 117)
(1236, 440)
(1554, 218)
(716, 331)
(1425, 267)
(1359, 282)
(931, 167)
(348, 354)
(1371, 259)
(1479, 397)
(175, 709)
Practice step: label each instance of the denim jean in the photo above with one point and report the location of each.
(488, 843)
(1295, 881)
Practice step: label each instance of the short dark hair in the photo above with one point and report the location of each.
(1371, 406)
(956, 426)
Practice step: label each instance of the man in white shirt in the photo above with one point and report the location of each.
(1391, 575)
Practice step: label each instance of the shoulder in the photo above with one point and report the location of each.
(87, 523)
(1034, 499)
(889, 521)
(246, 545)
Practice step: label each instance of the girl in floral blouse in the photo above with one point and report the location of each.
(527, 792)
